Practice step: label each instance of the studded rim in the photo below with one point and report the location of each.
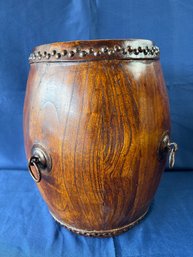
(102, 233)
(101, 49)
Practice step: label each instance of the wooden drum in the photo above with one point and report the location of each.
(97, 128)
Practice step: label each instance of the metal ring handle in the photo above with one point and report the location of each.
(33, 162)
(41, 162)
(168, 147)
(172, 147)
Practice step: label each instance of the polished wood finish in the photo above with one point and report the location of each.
(102, 123)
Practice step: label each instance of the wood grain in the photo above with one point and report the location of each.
(101, 122)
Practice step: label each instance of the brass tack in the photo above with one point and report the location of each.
(91, 50)
(124, 51)
(117, 48)
(48, 55)
(82, 54)
(157, 49)
(151, 52)
(53, 52)
(97, 53)
(104, 49)
(44, 54)
(71, 54)
(77, 50)
(63, 52)
(145, 51)
(130, 49)
(136, 51)
(58, 55)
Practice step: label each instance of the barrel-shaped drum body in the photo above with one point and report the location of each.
(99, 109)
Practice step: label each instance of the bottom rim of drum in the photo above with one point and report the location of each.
(101, 233)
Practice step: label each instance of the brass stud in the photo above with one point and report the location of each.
(140, 49)
(71, 54)
(104, 49)
(136, 51)
(58, 55)
(77, 50)
(156, 50)
(44, 54)
(151, 52)
(124, 51)
(110, 52)
(117, 48)
(63, 52)
(48, 56)
(97, 53)
(91, 50)
(53, 52)
(39, 56)
(82, 54)
(130, 49)
(145, 51)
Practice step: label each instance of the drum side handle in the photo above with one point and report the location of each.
(39, 162)
(168, 147)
